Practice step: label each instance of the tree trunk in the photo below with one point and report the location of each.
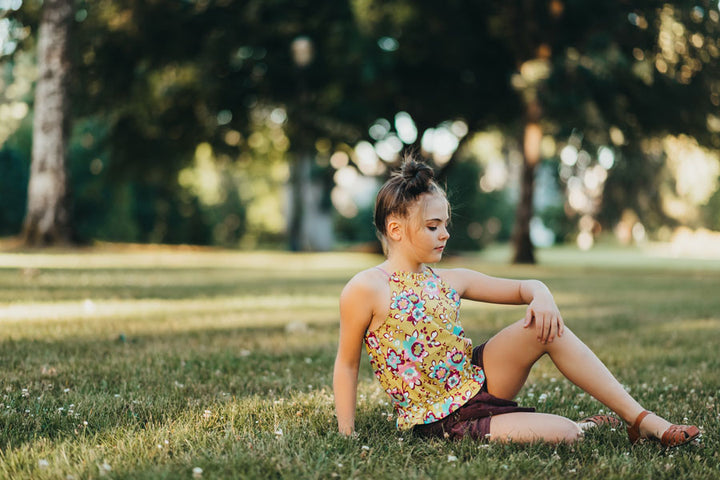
(532, 135)
(299, 182)
(47, 220)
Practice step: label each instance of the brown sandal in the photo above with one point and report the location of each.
(674, 436)
(598, 421)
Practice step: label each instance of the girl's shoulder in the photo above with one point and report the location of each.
(367, 290)
(372, 279)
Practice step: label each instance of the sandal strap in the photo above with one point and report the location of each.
(601, 419)
(633, 430)
(678, 435)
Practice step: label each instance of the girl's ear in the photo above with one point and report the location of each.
(394, 229)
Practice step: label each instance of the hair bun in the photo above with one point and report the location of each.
(418, 177)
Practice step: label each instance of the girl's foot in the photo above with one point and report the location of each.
(597, 421)
(657, 429)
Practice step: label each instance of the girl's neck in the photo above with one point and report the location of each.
(402, 265)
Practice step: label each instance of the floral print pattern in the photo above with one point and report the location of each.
(420, 354)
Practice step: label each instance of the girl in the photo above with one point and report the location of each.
(406, 314)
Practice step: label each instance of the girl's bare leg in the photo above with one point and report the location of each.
(508, 358)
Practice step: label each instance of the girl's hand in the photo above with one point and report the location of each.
(548, 321)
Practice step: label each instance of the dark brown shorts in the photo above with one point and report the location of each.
(473, 418)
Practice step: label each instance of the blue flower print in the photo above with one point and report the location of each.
(453, 295)
(479, 375)
(449, 406)
(417, 315)
(414, 348)
(458, 330)
(372, 341)
(430, 418)
(402, 303)
(399, 398)
(439, 371)
(456, 359)
(430, 287)
(393, 360)
(452, 381)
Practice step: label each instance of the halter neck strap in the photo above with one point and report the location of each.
(382, 270)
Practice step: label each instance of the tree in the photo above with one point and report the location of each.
(600, 73)
(48, 209)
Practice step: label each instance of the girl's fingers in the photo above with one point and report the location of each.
(528, 317)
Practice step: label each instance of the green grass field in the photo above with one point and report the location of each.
(155, 363)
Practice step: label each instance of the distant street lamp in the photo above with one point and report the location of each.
(303, 52)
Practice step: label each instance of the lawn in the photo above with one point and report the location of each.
(182, 363)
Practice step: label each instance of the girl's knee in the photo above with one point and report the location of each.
(570, 432)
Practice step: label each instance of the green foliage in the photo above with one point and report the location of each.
(13, 185)
(359, 229)
(150, 363)
(478, 218)
(711, 212)
(157, 79)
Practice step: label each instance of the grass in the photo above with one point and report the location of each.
(149, 363)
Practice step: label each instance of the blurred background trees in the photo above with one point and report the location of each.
(272, 123)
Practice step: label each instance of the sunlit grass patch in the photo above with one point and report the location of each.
(153, 363)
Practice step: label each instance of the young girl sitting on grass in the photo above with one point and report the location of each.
(406, 314)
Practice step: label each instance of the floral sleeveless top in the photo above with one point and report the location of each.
(420, 354)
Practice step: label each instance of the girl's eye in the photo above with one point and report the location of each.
(432, 229)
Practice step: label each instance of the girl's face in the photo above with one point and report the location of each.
(426, 230)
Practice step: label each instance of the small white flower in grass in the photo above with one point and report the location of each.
(207, 414)
(105, 468)
(42, 463)
(542, 397)
(278, 432)
(197, 472)
(66, 390)
(244, 353)
(365, 447)
(452, 458)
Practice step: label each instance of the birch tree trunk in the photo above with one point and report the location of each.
(47, 220)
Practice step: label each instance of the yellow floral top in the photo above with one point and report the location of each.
(420, 354)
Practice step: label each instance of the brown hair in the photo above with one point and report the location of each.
(402, 189)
